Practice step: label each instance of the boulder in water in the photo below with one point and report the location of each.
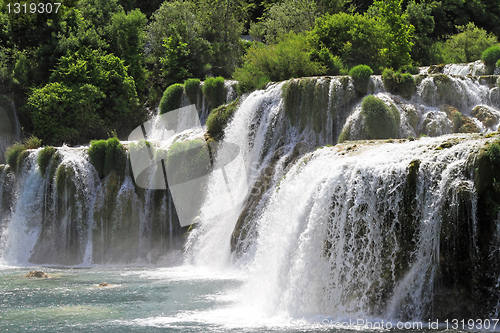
(103, 284)
(485, 115)
(37, 274)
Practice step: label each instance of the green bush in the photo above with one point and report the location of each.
(491, 55)
(108, 155)
(192, 89)
(399, 83)
(32, 142)
(97, 154)
(361, 77)
(214, 91)
(44, 157)
(13, 153)
(381, 122)
(219, 118)
(334, 65)
(277, 62)
(498, 63)
(172, 98)
(116, 157)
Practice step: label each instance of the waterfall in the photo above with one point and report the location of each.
(68, 216)
(404, 228)
(357, 230)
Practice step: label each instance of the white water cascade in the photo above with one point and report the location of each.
(346, 232)
(364, 229)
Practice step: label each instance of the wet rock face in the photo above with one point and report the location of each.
(485, 115)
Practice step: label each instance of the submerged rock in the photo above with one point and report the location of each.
(37, 274)
(104, 285)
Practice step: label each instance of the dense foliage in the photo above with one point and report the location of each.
(101, 65)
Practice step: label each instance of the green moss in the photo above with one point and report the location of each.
(44, 158)
(381, 122)
(361, 76)
(219, 118)
(304, 100)
(345, 135)
(192, 90)
(172, 98)
(12, 154)
(214, 91)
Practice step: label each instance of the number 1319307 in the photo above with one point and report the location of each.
(33, 8)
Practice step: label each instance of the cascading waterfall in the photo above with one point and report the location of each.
(356, 230)
(365, 229)
(71, 217)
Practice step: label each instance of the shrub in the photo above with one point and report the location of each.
(116, 157)
(381, 122)
(399, 83)
(277, 62)
(89, 94)
(13, 153)
(172, 98)
(108, 155)
(361, 77)
(334, 65)
(97, 154)
(214, 91)
(192, 89)
(491, 55)
(498, 63)
(219, 118)
(44, 157)
(32, 142)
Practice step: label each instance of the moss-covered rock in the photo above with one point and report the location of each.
(402, 84)
(460, 123)
(108, 155)
(214, 91)
(44, 157)
(219, 118)
(172, 97)
(381, 121)
(485, 115)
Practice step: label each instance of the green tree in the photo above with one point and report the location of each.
(468, 44)
(420, 16)
(400, 32)
(356, 39)
(89, 95)
(177, 21)
(284, 17)
(128, 39)
(277, 62)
